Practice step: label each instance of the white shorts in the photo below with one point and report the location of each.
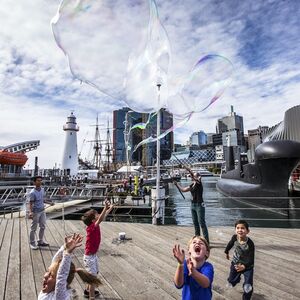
(91, 263)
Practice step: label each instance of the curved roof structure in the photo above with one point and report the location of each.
(22, 147)
(288, 129)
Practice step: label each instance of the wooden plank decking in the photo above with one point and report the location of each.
(143, 268)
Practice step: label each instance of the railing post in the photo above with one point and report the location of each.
(63, 217)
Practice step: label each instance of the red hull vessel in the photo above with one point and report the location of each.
(10, 158)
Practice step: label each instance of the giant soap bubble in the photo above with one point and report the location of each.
(122, 49)
(119, 47)
(201, 87)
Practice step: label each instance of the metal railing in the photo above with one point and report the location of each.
(12, 194)
(219, 211)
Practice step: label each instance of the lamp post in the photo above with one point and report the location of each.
(158, 205)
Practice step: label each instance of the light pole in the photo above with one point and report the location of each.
(157, 206)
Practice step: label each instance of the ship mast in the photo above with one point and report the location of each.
(97, 147)
(108, 148)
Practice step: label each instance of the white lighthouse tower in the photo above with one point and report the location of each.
(70, 155)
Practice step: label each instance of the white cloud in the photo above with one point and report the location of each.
(37, 90)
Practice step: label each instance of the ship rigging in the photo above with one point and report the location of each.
(100, 151)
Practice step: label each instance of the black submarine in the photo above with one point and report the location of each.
(265, 181)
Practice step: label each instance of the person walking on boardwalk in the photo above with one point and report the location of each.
(37, 213)
(195, 275)
(242, 259)
(197, 205)
(60, 274)
(93, 239)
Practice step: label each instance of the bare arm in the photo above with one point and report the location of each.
(179, 276)
(183, 189)
(105, 211)
(30, 209)
(201, 279)
(71, 243)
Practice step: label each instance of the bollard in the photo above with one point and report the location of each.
(158, 206)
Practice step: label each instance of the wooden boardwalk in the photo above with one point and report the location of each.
(143, 268)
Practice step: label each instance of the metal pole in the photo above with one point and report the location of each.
(157, 200)
(63, 218)
(126, 143)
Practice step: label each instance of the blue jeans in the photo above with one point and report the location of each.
(198, 216)
(235, 277)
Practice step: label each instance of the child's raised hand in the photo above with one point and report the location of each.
(107, 204)
(178, 254)
(190, 266)
(72, 242)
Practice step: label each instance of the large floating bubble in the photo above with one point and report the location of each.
(119, 47)
(201, 87)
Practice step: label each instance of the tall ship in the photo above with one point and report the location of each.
(99, 156)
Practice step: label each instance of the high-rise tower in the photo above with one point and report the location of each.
(70, 154)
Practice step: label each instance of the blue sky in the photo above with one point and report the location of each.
(38, 91)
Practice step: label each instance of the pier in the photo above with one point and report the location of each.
(143, 267)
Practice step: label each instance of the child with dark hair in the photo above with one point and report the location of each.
(242, 259)
(60, 274)
(194, 274)
(93, 238)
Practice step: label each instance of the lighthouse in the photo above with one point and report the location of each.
(70, 154)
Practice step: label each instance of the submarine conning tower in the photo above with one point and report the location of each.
(267, 176)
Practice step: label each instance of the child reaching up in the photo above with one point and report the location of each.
(194, 274)
(93, 238)
(242, 259)
(57, 280)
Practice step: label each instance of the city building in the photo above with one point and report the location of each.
(209, 137)
(231, 122)
(230, 132)
(198, 138)
(255, 138)
(123, 120)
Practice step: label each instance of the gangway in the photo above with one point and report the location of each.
(12, 195)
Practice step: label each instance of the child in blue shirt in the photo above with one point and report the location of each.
(194, 274)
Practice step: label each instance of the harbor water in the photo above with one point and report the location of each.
(224, 211)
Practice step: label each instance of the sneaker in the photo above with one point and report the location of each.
(43, 244)
(74, 294)
(34, 247)
(86, 293)
(247, 288)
